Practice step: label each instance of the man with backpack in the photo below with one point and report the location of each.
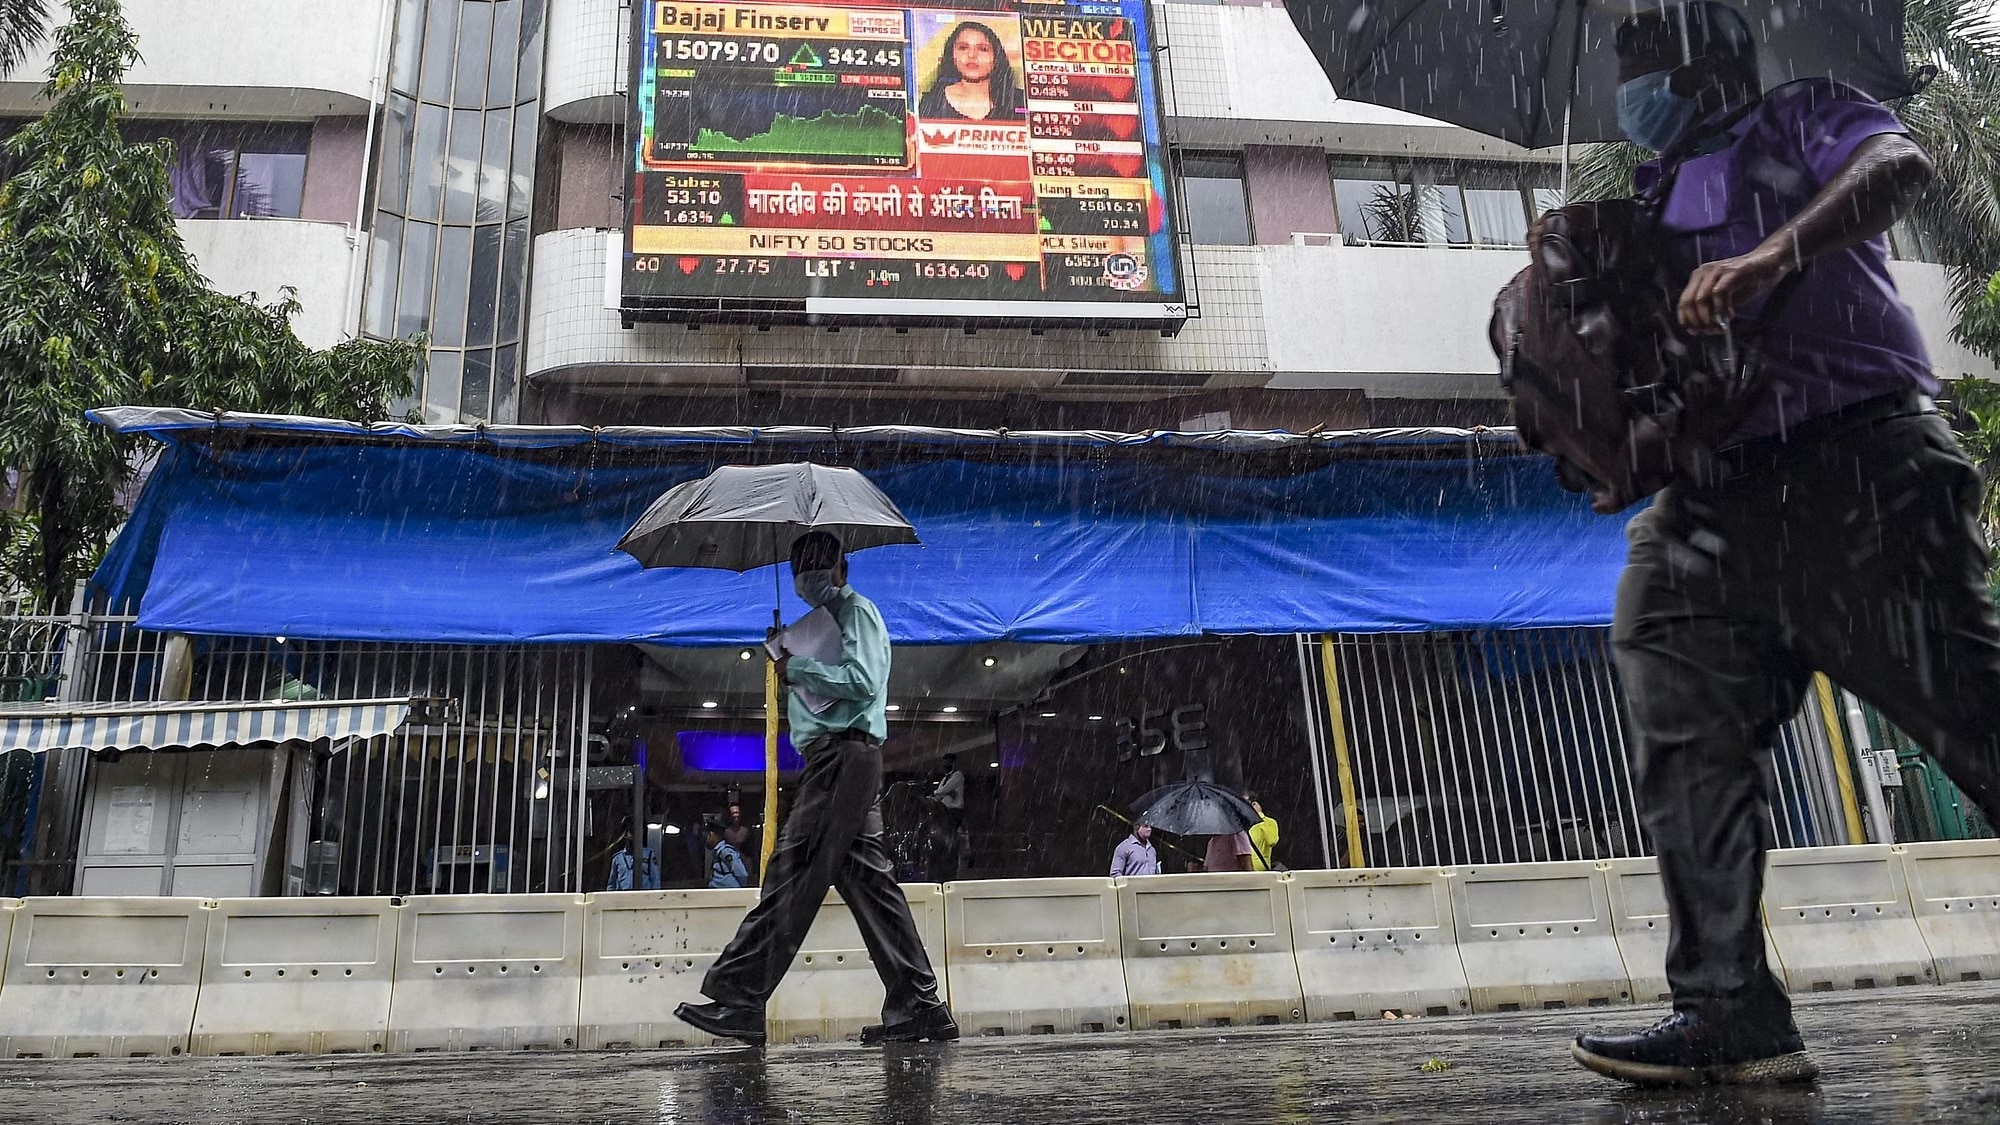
(1835, 531)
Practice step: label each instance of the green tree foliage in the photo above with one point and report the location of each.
(100, 304)
(1975, 409)
(1956, 119)
(21, 26)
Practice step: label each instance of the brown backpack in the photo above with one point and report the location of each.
(1601, 374)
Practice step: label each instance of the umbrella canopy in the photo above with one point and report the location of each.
(741, 517)
(1507, 68)
(1195, 808)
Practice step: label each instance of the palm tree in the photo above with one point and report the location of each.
(21, 25)
(1956, 119)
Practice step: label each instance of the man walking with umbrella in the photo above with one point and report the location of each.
(1839, 534)
(834, 834)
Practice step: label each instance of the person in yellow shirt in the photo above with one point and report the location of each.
(1263, 837)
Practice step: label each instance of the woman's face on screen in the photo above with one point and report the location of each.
(972, 54)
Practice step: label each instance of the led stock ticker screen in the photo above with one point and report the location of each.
(945, 164)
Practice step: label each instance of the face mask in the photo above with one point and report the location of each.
(1651, 113)
(816, 587)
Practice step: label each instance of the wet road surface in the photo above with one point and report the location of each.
(1911, 1054)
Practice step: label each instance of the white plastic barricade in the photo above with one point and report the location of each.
(1209, 950)
(1034, 955)
(1955, 887)
(1841, 918)
(1537, 935)
(1639, 920)
(487, 972)
(832, 991)
(101, 976)
(1375, 941)
(645, 952)
(296, 976)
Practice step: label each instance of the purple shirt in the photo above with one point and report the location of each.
(1845, 336)
(1135, 857)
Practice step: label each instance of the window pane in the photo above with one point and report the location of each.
(379, 317)
(493, 164)
(475, 397)
(441, 389)
(1218, 213)
(1547, 200)
(482, 302)
(1451, 211)
(1427, 210)
(268, 185)
(1371, 210)
(398, 123)
(440, 44)
(512, 270)
(520, 192)
(409, 37)
(461, 172)
(198, 177)
(531, 49)
(454, 270)
(475, 42)
(1499, 216)
(413, 293)
(503, 385)
(427, 162)
(506, 39)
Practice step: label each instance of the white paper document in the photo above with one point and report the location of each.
(816, 635)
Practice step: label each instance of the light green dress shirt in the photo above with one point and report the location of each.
(858, 685)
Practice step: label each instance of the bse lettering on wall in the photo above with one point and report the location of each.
(960, 164)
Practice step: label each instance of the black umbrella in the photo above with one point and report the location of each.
(741, 517)
(1195, 808)
(1521, 70)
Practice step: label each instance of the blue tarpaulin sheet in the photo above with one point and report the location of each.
(453, 543)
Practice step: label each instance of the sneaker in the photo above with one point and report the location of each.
(933, 1023)
(724, 1022)
(1686, 1050)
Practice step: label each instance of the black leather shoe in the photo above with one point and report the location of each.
(724, 1022)
(1686, 1049)
(934, 1024)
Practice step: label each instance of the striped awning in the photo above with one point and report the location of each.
(169, 726)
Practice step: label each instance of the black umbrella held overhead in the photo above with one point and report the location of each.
(1195, 808)
(741, 517)
(1522, 70)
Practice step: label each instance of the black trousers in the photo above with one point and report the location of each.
(833, 837)
(1854, 552)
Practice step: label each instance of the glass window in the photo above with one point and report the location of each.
(512, 270)
(506, 40)
(399, 120)
(475, 400)
(413, 294)
(1372, 210)
(441, 388)
(475, 44)
(1499, 216)
(409, 37)
(531, 46)
(519, 194)
(454, 273)
(383, 257)
(483, 299)
(461, 172)
(1218, 210)
(1909, 243)
(427, 162)
(503, 382)
(493, 164)
(229, 170)
(440, 44)
(1546, 200)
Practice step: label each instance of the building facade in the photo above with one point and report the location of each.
(453, 167)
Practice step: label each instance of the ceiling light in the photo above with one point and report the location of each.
(990, 662)
(1048, 714)
(541, 791)
(744, 655)
(281, 640)
(893, 707)
(1097, 718)
(709, 704)
(995, 765)
(950, 709)
(654, 827)
(672, 830)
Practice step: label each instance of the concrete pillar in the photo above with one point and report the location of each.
(177, 668)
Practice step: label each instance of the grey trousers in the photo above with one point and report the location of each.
(1855, 553)
(833, 837)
